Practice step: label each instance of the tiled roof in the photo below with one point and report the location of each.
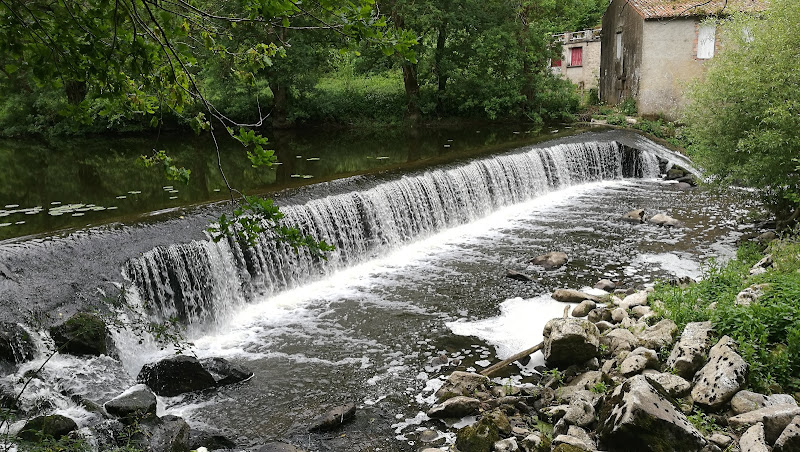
(661, 9)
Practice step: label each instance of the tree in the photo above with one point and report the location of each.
(744, 118)
(119, 60)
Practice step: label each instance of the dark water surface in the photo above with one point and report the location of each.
(70, 183)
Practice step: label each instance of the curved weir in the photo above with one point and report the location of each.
(199, 282)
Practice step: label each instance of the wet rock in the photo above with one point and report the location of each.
(659, 335)
(478, 437)
(572, 296)
(83, 334)
(570, 341)
(136, 403)
(745, 401)
(690, 352)
(334, 418)
(176, 375)
(209, 440)
(164, 434)
(674, 385)
(638, 416)
(664, 220)
(634, 216)
(551, 260)
(109, 434)
(583, 308)
(277, 446)
(16, 345)
(675, 173)
(638, 360)
(605, 284)
(774, 418)
(463, 384)
(456, 407)
(506, 445)
(513, 274)
(44, 427)
(789, 441)
(753, 440)
(225, 372)
(722, 377)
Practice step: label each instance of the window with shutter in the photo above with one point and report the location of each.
(576, 56)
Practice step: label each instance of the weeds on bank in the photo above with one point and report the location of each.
(767, 330)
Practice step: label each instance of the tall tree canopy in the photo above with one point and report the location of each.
(744, 118)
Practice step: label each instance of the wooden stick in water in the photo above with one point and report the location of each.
(492, 369)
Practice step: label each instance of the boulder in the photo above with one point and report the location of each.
(634, 216)
(513, 274)
(675, 173)
(619, 339)
(165, 434)
(673, 385)
(462, 384)
(136, 403)
(478, 437)
(209, 440)
(789, 441)
(642, 312)
(277, 446)
(83, 334)
(551, 260)
(16, 345)
(690, 352)
(640, 417)
(225, 372)
(605, 284)
(774, 418)
(506, 445)
(753, 440)
(570, 341)
(638, 360)
(722, 377)
(618, 315)
(580, 413)
(664, 220)
(600, 314)
(584, 308)
(659, 335)
(751, 294)
(334, 418)
(46, 427)
(572, 296)
(176, 375)
(745, 401)
(635, 299)
(722, 440)
(532, 442)
(457, 407)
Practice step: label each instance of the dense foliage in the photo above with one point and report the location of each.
(744, 118)
(767, 330)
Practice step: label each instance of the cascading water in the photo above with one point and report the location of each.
(200, 281)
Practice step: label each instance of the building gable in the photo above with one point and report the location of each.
(667, 9)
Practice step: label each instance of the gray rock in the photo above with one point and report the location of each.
(551, 260)
(225, 372)
(745, 401)
(774, 418)
(762, 265)
(176, 375)
(334, 418)
(618, 340)
(639, 360)
(641, 312)
(618, 315)
(456, 407)
(664, 220)
(572, 296)
(136, 403)
(674, 385)
(587, 380)
(513, 274)
(44, 427)
(767, 237)
(506, 445)
(639, 417)
(532, 442)
(463, 384)
(753, 439)
(659, 335)
(722, 440)
(570, 341)
(555, 412)
(580, 413)
(605, 284)
(789, 441)
(722, 377)
(584, 308)
(604, 326)
(16, 345)
(277, 446)
(691, 351)
(751, 294)
(573, 442)
(635, 299)
(600, 314)
(164, 434)
(634, 216)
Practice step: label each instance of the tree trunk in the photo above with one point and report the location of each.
(280, 106)
(441, 76)
(75, 90)
(412, 91)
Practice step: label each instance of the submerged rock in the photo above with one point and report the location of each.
(44, 427)
(638, 416)
(83, 334)
(334, 418)
(570, 341)
(225, 372)
(664, 220)
(572, 296)
(551, 260)
(722, 377)
(176, 375)
(16, 345)
(513, 274)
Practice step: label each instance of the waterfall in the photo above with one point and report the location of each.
(200, 281)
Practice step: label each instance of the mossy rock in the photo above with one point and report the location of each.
(83, 334)
(42, 427)
(16, 345)
(479, 437)
(567, 448)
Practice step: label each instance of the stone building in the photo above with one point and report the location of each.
(652, 49)
(580, 62)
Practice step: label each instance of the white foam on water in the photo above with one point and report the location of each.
(677, 265)
(518, 327)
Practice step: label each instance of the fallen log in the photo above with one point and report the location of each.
(492, 369)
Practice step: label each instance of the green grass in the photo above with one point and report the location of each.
(767, 331)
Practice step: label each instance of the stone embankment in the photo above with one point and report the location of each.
(618, 380)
